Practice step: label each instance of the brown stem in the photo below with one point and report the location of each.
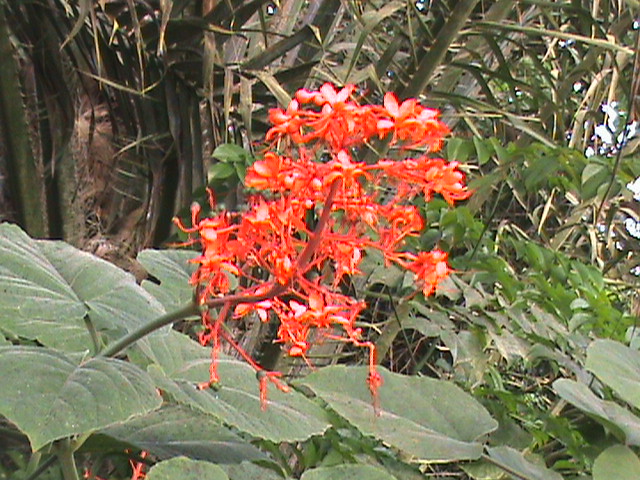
(307, 253)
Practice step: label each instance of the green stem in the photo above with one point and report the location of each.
(504, 467)
(307, 253)
(67, 462)
(34, 463)
(41, 468)
(93, 334)
(132, 337)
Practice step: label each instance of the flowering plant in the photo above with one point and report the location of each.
(290, 268)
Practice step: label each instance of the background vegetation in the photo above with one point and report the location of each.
(115, 114)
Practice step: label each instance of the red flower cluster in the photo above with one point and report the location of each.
(290, 270)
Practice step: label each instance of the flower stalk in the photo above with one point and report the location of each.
(189, 310)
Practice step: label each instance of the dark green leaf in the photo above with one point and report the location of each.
(221, 171)
(593, 176)
(232, 153)
(613, 415)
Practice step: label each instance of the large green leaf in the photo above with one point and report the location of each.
(171, 268)
(618, 367)
(37, 302)
(347, 472)
(48, 396)
(617, 462)
(515, 462)
(432, 420)
(186, 469)
(183, 363)
(611, 414)
(50, 288)
(114, 299)
(173, 431)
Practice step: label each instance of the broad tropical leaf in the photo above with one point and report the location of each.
(174, 430)
(431, 420)
(181, 364)
(53, 397)
(617, 366)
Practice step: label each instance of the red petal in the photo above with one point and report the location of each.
(391, 104)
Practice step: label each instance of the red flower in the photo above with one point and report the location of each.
(314, 221)
(430, 268)
(411, 121)
(286, 122)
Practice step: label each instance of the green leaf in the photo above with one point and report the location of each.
(612, 415)
(173, 431)
(37, 302)
(249, 471)
(593, 176)
(172, 269)
(483, 150)
(232, 153)
(186, 469)
(347, 472)
(459, 149)
(50, 288)
(516, 463)
(618, 367)
(48, 396)
(432, 420)
(289, 416)
(114, 299)
(220, 171)
(617, 462)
